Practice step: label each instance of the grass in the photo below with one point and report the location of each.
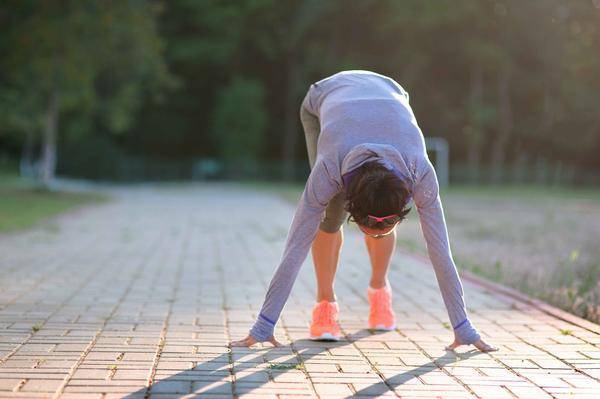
(286, 366)
(36, 327)
(541, 240)
(24, 203)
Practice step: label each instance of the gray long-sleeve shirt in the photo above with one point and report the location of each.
(365, 116)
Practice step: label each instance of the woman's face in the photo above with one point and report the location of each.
(378, 233)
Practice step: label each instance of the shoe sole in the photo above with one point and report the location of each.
(325, 337)
(381, 327)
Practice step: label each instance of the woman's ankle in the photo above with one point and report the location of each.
(378, 284)
(326, 297)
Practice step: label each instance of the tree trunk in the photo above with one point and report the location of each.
(48, 164)
(290, 119)
(505, 124)
(520, 171)
(475, 130)
(26, 164)
(548, 114)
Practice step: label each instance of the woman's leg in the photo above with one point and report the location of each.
(312, 128)
(380, 252)
(328, 241)
(326, 252)
(327, 246)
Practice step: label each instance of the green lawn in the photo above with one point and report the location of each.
(23, 203)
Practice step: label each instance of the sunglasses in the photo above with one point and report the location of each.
(389, 221)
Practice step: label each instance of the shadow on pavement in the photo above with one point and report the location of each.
(401, 378)
(213, 377)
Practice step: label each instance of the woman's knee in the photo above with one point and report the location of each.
(330, 226)
(334, 218)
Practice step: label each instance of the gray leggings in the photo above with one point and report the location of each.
(335, 213)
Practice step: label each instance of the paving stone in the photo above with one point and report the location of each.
(148, 290)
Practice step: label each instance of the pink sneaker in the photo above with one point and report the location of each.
(324, 324)
(381, 316)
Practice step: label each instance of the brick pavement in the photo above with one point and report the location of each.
(138, 298)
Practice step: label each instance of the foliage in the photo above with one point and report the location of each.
(102, 57)
(432, 48)
(240, 120)
(91, 61)
(503, 90)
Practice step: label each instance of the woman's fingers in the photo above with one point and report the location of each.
(248, 341)
(481, 345)
(239, 343)
(274, 342)
(453, 345)
(484, 347)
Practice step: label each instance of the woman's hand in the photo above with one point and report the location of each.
(249, 341)
(481, 345)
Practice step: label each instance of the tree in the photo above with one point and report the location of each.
(239, 122)
(81, 56)
(279, 32)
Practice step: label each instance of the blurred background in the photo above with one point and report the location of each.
(199, 90)
(137, 90)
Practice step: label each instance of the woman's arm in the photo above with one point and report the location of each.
(319, 189)
(431, 216)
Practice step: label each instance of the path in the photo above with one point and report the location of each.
(103, 301)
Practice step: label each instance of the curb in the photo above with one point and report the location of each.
(519, 296)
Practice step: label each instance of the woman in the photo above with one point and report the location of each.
(368, 160)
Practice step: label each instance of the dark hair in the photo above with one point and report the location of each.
(376, 190)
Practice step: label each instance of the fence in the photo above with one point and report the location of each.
(98, 161)
(542, 172)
